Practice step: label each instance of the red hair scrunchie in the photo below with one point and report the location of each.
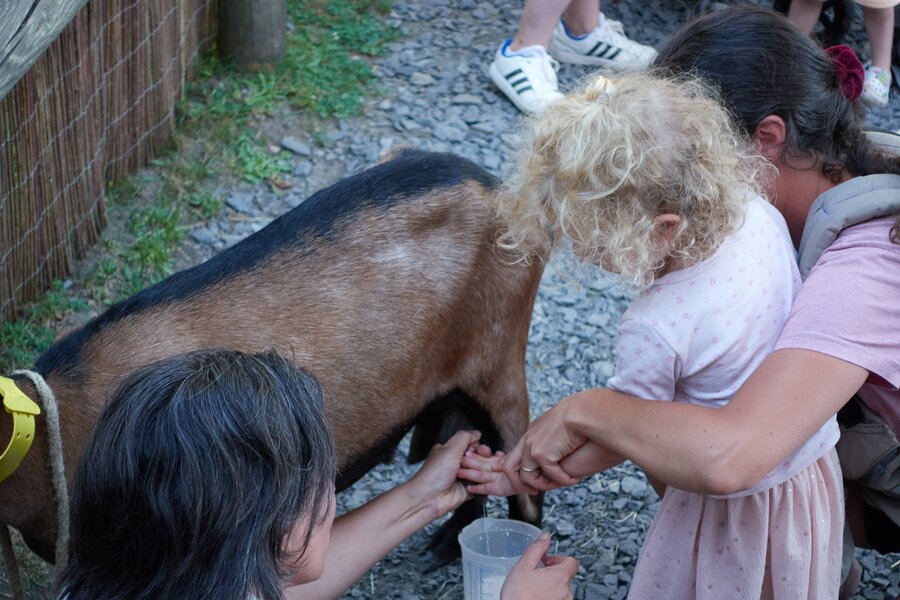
(851, 74)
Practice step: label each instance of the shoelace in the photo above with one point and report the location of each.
(615, 25)
(543, 59)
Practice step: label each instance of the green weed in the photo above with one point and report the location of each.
(324, 73)
(253, 162)
(23, 339)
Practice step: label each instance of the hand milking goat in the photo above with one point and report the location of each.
(388, 286)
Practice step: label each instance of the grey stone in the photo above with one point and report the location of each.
(512, 140)
(243, 228)
(634, 487)
(490, 127)
(565, 529)
(470, 114)
(594, 591)
(491, 162)
(231, 239)
(598, 319)
(295, 146)
(620, 503)
(451, 132)
(242, 203)
(421, 79)
(204, 235)
(466, 99)
(409, 124)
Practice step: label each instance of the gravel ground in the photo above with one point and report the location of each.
(437, 95)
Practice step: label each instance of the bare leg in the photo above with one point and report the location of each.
(805, 13)
(538, 20)
(582, 16)
(880, 29)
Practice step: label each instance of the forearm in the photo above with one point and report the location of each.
(362, 537)
(721, 451)
(658, 436)
(591, 458)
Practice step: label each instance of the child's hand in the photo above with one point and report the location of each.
(485, 471)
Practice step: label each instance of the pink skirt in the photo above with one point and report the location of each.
(781, 543)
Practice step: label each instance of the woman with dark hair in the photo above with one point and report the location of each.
(799, 104)
(211, 475)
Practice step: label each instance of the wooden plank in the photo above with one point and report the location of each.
(27, 27)
(12, 15)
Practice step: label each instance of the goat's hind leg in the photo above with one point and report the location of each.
(441, 419)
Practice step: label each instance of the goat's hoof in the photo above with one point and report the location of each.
(443, 548)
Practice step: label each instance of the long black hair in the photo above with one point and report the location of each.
(194, 473)
(764, 65)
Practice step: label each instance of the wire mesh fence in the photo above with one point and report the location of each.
(97, 104)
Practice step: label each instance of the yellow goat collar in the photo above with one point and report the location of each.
(23, 411)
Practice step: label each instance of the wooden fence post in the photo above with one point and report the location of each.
(252, 33)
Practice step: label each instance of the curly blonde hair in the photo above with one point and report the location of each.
(601, 163)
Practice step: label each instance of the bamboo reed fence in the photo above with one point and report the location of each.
(97, 104)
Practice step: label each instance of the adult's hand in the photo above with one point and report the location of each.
(540, 577)
(535, 460)
(436, 482)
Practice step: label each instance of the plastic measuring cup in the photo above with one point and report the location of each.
(490, 548)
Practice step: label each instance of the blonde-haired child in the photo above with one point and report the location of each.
(646, 178)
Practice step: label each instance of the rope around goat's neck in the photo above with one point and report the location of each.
(57, 466)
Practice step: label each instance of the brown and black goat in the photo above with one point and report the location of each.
(388, 286)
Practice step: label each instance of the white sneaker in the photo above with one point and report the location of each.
(527, 77)
(877, 86)
(606, 45)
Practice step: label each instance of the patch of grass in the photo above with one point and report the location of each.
(157, 230)
(253, 162)
(325, 73)
(203, 205)
(22, 340)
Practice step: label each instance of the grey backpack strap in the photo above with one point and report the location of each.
(855, 201)
(885, 141)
